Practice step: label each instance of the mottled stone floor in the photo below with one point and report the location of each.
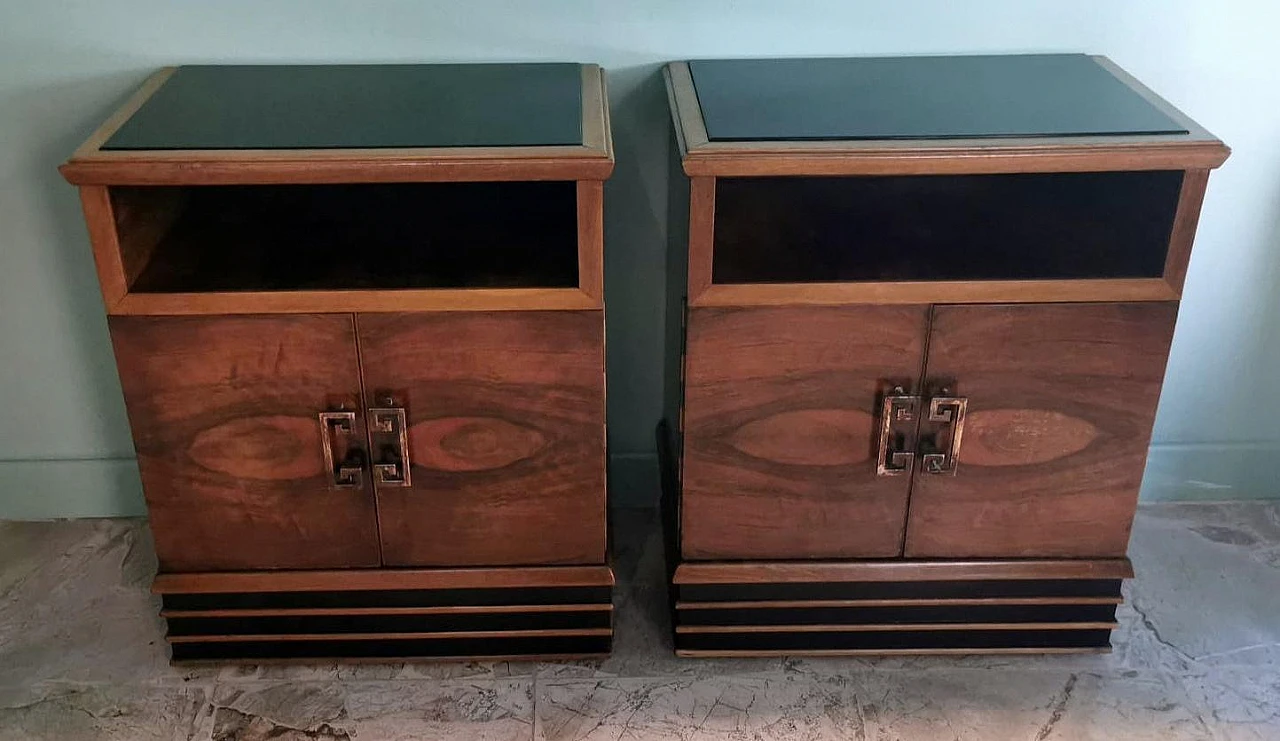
(82, 656)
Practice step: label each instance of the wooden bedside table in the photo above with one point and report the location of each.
(358, 318)
(916, 340)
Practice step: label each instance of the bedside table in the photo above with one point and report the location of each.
(358, 317)
(916, 340)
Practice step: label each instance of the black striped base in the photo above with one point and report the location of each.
(947, 616)
(319, 620)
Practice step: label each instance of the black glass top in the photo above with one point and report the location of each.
(359, 106)
(919, 98)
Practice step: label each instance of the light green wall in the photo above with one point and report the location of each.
(64, 441)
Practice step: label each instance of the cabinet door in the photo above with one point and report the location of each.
(225, 416)
(780, 430)
(505, 436)
(1061, 399)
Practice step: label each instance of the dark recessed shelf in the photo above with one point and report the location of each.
(398, 236)
(944, 227)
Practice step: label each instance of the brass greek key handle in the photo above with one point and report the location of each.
(345, 465)
(390, 435)
(941, 447)
(898, 419)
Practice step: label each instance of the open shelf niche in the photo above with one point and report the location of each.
(944, 227)
(198, 239)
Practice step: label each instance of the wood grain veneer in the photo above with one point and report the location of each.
(506, 431)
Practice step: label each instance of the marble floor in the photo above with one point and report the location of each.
(82, 656)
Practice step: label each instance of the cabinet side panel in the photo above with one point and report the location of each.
(1062, 398)
(677, 285)
(225, 419)
(505, 435)
(781, 431)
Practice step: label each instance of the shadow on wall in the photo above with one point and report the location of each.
(635, 233)
(635, 263)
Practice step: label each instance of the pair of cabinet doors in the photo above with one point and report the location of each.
(782, 425)
(504, 438)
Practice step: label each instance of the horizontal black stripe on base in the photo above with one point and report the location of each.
(389, 598)
(894, 640)
(273, 625)
(899, 615)
(900, 590)
(391, 649)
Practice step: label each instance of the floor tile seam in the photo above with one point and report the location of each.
(1201, 709)
(533, 704)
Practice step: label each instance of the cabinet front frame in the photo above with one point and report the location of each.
(90, 164)
(113, 262)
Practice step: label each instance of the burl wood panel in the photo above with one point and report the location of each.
(224, 416)
(1061, 402)
(780, 430)
(506, 436)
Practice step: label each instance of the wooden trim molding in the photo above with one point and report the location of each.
(1197, 149)
(958, 157)
(591, 239)
(924, 292)
(919, 602)
(93, 145)
(449, 635)
(382, 579)
(383, 611)
(592, 160)
(739, 653)
(595, 111)
(673, 110)
(99, 216)
(1185, 222)
(408, 656)
(308, 166)
(702, 225)
(312, 302)
(686, 112)
(1194, 129)
(889, 627)
(770, 572)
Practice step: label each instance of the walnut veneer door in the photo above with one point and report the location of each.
(225, 419)
(780, 430)
(1061, 402)
(505, 435)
